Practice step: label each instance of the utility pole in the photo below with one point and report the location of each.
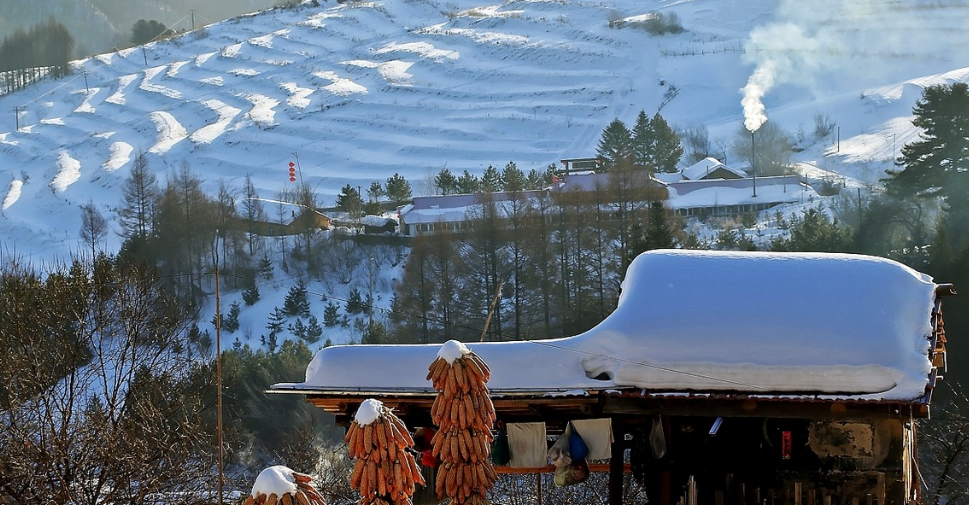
(218, 369)
(193, 20)
(144, 53)
(16, 115)
(753, 162)
(86, 88)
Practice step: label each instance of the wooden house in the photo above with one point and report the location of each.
(300, 220)
(799, 381)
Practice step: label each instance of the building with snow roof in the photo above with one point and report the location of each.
(801, 377)
(692, 198)
(711, 168)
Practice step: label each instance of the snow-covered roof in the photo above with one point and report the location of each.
(455, 208)
(838, 325)
(724, 192)
(706, 166)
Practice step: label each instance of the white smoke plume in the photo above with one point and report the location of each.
(832, 46)
(784, 52)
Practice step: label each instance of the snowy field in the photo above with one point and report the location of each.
(360, 91)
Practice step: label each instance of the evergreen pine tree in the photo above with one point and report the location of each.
(251, 294)
(295, 303)
(491, 180)
(667, 150)
(266, 268)
(231, 322)
(355, 302)
(350, 201)
(937, 165)
(331, 315)
(513, 177)
(659, 233)
(615, 145)
(313, 330)
(374, 333)
(468, 184)
(298, 329)
(445, 182)
(398, 189)
(643, 141)
(276, 320)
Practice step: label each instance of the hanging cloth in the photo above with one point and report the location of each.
(597, 435)
(527, 444)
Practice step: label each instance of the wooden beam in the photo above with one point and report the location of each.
(631, 406)
(616, 464)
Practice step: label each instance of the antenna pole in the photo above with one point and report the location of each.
(491, 310)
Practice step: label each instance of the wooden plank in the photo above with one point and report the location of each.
(593, 467)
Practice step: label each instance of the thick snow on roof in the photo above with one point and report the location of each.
(276, 480)
(720, 193)
(704, 167)
(772, 323)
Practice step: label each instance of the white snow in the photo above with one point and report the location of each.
(452, 350)
(209, 133)
(13, 194)
(276, 480)
(149, 86)
(68, 172)
(844, 326)
(370, 410)
(340, 85)
(262, 112)
(394, 72)
(411, 88)
(423, 49)
(86, 106)
(118, 97)
(120, 155)
(298, 97)
(170, 132)
(231, 51)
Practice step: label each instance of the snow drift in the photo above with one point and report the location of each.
(836, 325)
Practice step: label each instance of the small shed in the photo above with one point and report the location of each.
(799, 379)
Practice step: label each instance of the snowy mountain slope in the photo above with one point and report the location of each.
(361, 91)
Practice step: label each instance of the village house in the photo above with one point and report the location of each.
(788, 387)
(703, 190)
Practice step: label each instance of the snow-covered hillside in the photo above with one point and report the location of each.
(362, 90)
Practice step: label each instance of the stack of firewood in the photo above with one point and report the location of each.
(384, 472)
(275, 486)
(465, 416)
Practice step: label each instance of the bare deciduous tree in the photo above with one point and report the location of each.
(93, 227)
(94, 398)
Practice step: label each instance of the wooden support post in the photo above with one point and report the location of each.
(811, 498)
(538, 486)
(827, 499)
(617, 463)
(880, 488)
(797, 493)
